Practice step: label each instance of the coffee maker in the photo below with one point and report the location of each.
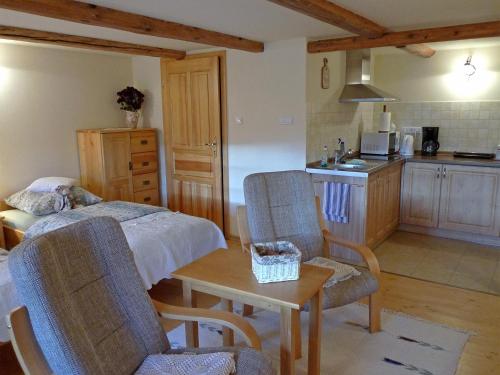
(430, 143)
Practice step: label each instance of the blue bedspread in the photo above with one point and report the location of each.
(121, 211)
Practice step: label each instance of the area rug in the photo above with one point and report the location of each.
(406, 346)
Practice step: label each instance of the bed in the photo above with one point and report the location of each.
(161, 240)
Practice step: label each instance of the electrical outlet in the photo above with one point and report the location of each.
(286, 120)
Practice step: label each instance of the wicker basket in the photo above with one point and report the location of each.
(274, 268)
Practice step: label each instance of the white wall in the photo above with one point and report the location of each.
(261, 88)
(147, 78)
(439, 78)
(46, 94)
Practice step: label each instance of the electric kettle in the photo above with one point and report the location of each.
(407, 145)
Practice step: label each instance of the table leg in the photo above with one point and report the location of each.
(315, 316)
(189, 299)
(289, 318)
(298, 338)
(227, 333)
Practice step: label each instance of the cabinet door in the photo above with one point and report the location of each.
(117, 173)
(421, 192)
(469, 197)
(372, 212)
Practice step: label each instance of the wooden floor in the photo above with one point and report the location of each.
(473, 311)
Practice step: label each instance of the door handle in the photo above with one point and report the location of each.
(444, 172)
(213, 146)
(439, 172)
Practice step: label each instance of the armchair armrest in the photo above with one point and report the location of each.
(225, 318)
(367, 254)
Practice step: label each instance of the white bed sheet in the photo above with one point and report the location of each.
(165, 241)
(161, 243)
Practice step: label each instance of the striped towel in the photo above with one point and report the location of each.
(336, 200)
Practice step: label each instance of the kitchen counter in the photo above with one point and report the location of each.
(448, 158)
(372, 166)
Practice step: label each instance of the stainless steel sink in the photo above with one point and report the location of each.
(352, 166)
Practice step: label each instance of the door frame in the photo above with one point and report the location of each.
(224, 128)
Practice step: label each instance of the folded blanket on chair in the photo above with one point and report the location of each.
(342, 271)
(221, 363)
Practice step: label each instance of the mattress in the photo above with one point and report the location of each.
(18, 219)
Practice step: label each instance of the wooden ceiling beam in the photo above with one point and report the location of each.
(333, 14)
(422, 50)
(95, 15)
(404, 38)
(46, 37)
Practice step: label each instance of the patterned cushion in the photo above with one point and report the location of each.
(220, 363)
(89, 309)
(281, 206)
(349, 291)
(39, 204)
(248, 361)
(81, 197)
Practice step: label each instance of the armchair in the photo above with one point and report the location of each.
(283, 206)
(87, 312)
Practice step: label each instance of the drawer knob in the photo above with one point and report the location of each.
(144, 141)
(147, 199)
(145, 163)
(147, 182)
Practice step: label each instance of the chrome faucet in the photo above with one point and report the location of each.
(341, 155)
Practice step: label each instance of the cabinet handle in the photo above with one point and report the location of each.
(439, 172)
(129, 165)
(144, 142)
(147, 182)
(145, 163)
(147, 199)
(444, 172)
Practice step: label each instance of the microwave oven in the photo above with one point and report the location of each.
(380, 143)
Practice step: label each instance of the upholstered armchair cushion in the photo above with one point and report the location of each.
(281, 206)
(86, 302)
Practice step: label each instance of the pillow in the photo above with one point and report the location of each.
(81, 197)
(50, 184)
(39, 204)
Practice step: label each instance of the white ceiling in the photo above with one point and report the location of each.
(265, 21)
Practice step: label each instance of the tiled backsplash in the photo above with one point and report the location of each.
(328, 123)
(464, 126)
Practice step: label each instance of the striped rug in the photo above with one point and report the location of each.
(406, 346)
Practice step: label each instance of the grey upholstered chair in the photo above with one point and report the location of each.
(87, 311)
(283, 206)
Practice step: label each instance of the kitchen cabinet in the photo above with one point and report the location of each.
(421, 194)
(469, 199)
(373, 209)
(383, 197)
(452, 197)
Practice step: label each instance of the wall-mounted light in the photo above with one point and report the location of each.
(469, 69)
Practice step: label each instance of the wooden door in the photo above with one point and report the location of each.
(469, 197)
(117, 167)
(421, 193)
(193, 137)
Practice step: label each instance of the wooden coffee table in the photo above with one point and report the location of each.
(228, 275)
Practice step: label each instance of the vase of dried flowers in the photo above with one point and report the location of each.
(130, 100)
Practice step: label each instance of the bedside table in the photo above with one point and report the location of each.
(2, 237)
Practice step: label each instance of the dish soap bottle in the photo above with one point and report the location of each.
(324, 157)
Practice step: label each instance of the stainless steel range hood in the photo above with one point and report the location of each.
(357, 75)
